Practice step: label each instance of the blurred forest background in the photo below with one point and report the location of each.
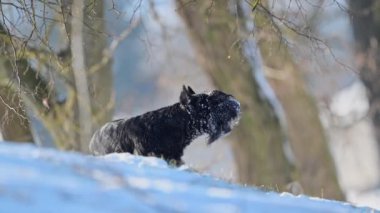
(307, 74)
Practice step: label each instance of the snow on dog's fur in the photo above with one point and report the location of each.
(167, 131)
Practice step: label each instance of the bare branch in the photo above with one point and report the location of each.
(108, 53)
(293, 27)
(12, 108)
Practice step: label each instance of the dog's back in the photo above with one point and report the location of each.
(162, 133)
(107, 139)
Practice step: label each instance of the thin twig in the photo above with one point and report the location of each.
(107, 53)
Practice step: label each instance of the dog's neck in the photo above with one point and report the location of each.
(195, 126)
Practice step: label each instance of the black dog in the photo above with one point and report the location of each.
(167, 131)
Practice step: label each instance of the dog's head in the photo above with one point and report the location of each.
(215, 113)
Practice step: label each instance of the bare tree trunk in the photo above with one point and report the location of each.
(215, 33)
(258, 138)
(366, 28)
(98, 74)
(80, 77)
(316, 170)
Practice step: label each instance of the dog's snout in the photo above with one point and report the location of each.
(234, 102)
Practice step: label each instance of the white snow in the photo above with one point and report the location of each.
(349, 105)
(34, 179)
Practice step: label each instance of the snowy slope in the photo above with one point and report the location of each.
(45, 180)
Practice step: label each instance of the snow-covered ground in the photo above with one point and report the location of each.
(34, 179)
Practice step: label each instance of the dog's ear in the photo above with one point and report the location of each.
(184, 98)
(190, 90)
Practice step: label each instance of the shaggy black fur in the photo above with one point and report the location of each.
(167, 131)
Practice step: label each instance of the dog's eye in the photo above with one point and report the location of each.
(217, 99)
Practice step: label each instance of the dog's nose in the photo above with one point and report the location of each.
(232, 99)
(235, 103)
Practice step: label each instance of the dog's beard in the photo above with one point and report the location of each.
(225, 117)
(234, 121)
(222, 129)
